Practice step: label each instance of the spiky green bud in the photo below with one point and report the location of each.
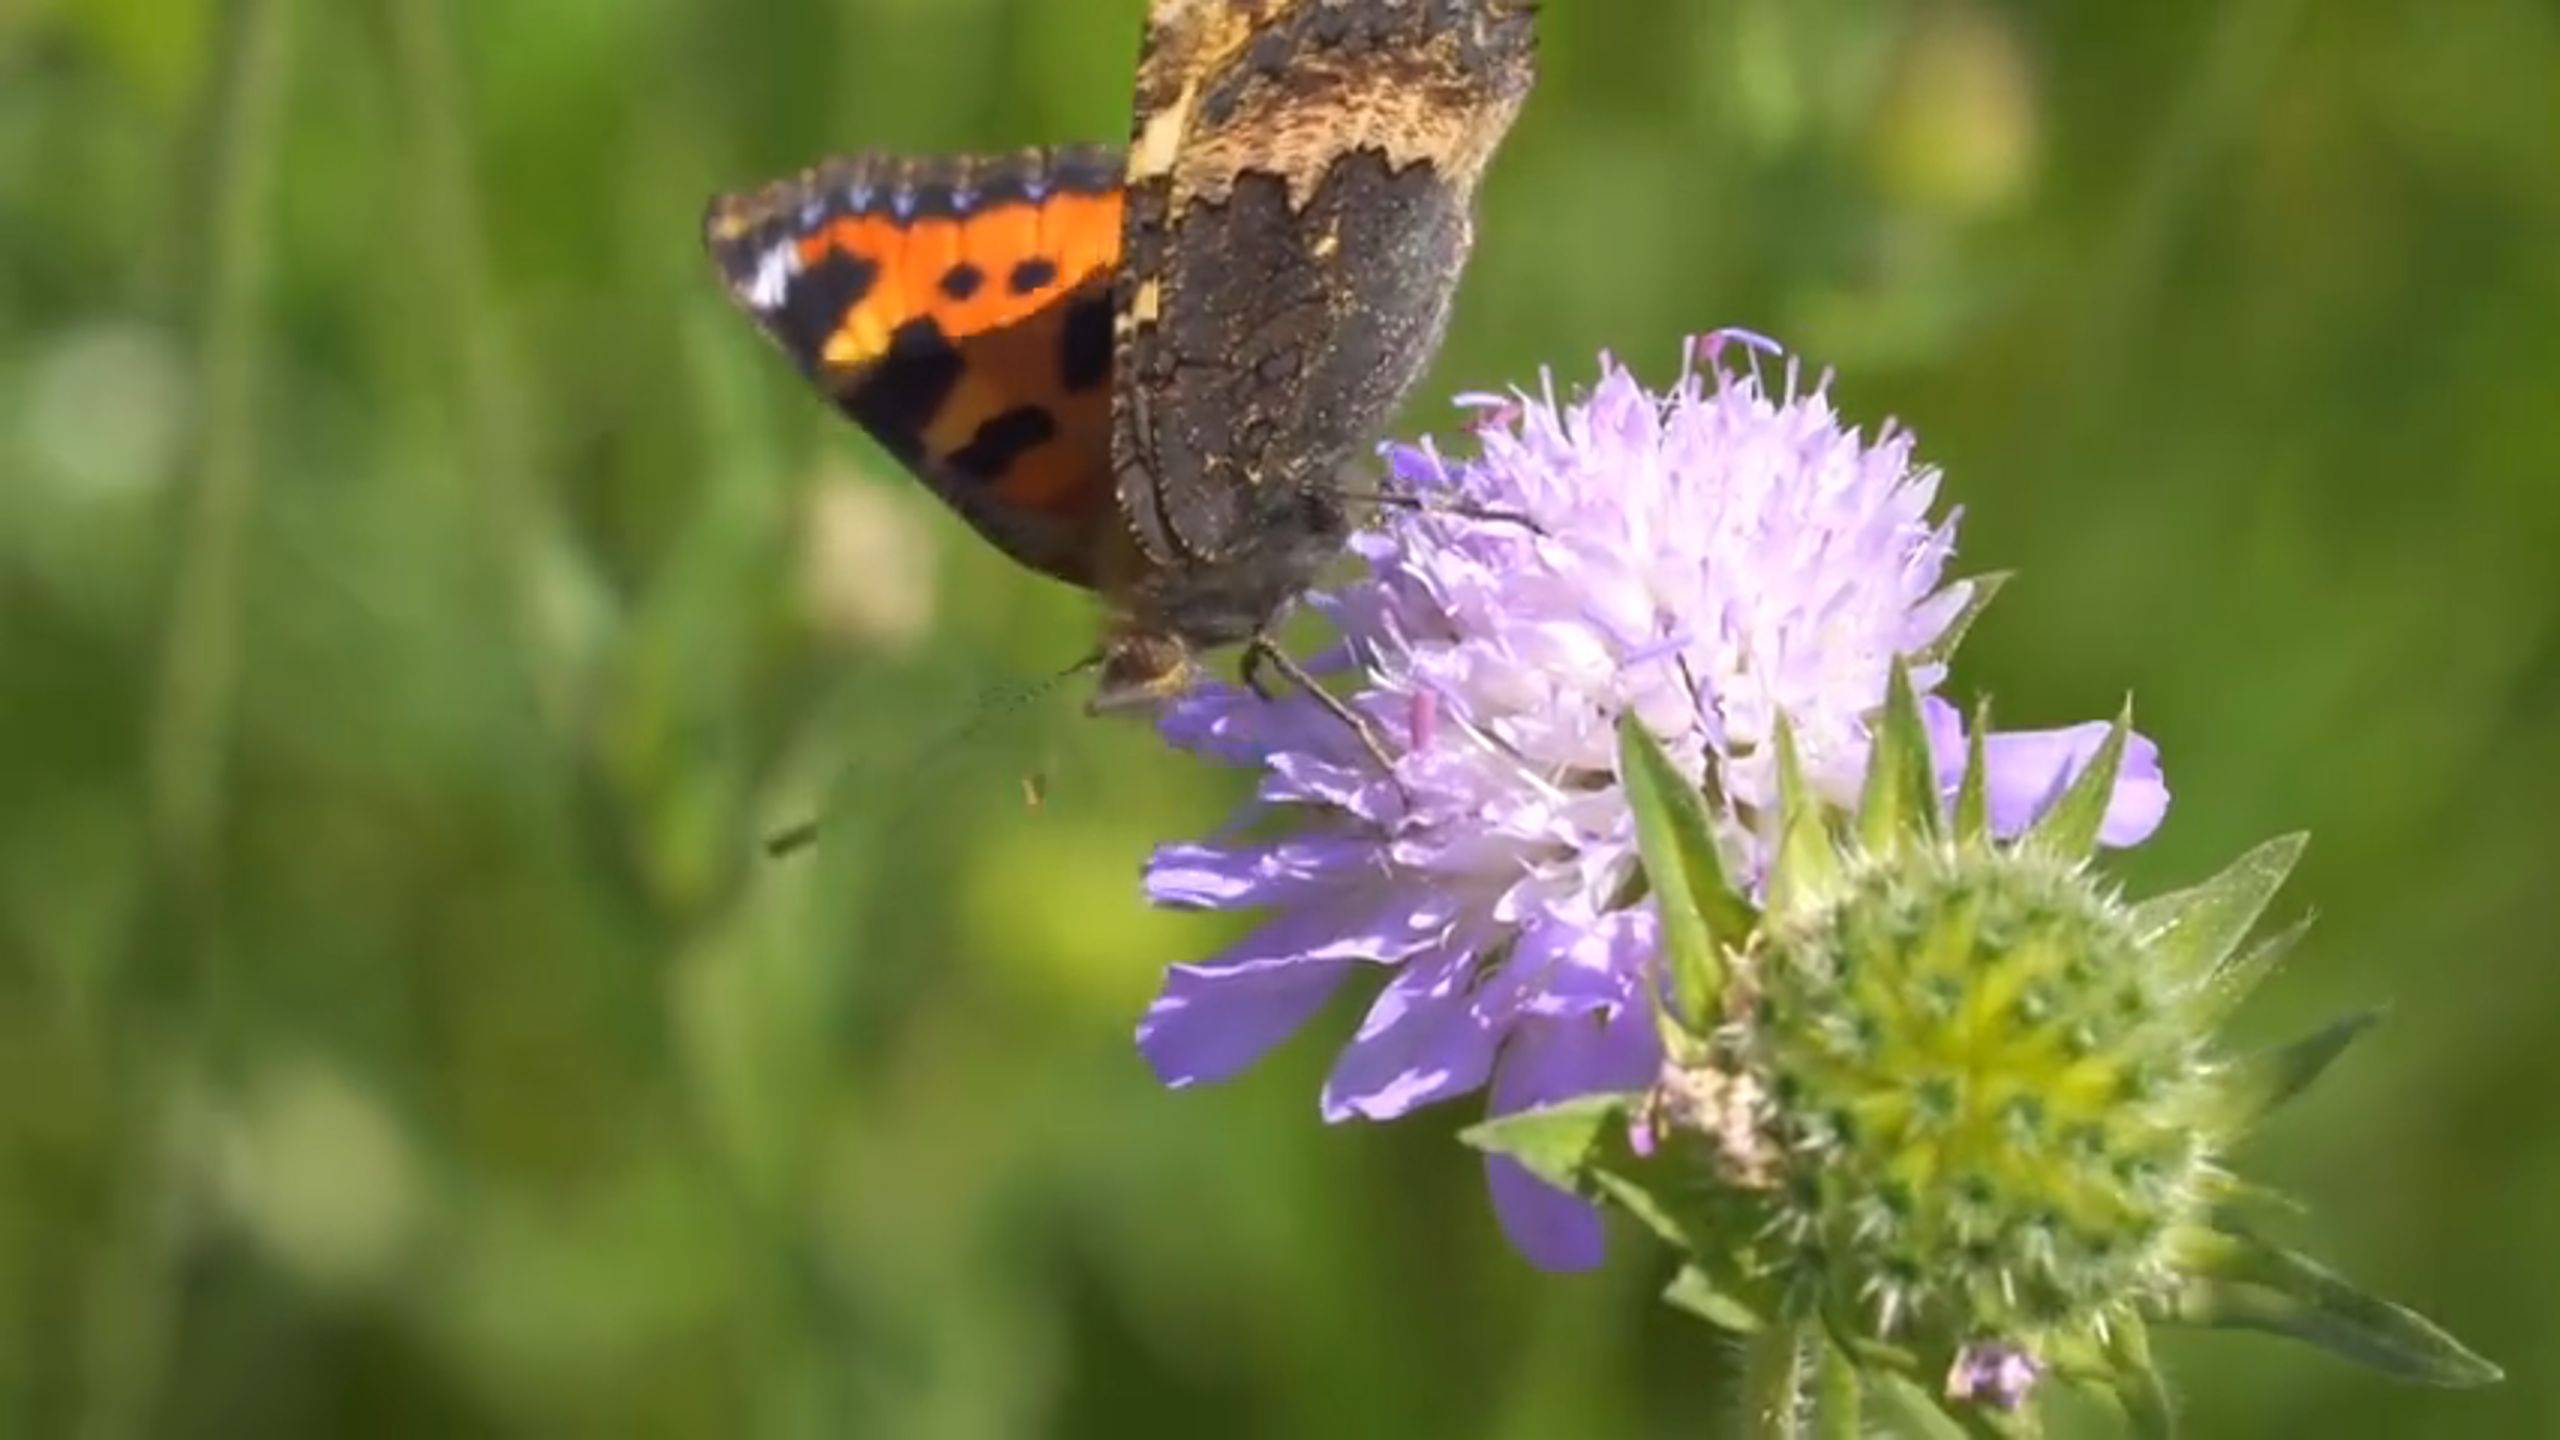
(1993, 1112)
(1945, 1113)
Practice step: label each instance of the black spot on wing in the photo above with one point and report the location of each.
(900, 395)
(962, 280)
(1032, 274)
(1084, 346)
(1002, 440)
(816, 302)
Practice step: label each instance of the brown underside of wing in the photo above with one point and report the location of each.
(1301, 179)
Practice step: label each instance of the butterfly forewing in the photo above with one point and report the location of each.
(958, 308)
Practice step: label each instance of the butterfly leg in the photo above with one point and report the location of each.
(1262, 650)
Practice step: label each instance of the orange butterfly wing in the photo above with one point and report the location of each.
(960, 310)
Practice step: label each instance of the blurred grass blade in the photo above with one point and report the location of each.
(200, 647)
(518, 530)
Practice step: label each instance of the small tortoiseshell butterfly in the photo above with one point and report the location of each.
(1145, 371)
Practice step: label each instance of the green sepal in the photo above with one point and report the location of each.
(2238, 1204)
(2070, 827)
(1973, 793)
(1835, 1390)
(2243, 1282)
(1556, 1142)
(1985, 586)
(1898, 806)
(2134, 1380)
(1796, 1385)
(1701, 916)
(2257, 1083)
(1905, 1410)
(2232, 982)
(2191, 932)
(1807, 866)
(1697, 1292)
(1668, 1208)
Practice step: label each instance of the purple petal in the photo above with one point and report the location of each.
(1234, 726)
(2029, 770)
(1211, 1021)
(1545, 1061)
(1227, 877)
(1562, 966)
(1421, 1042)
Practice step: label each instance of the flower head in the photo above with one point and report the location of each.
(1936, 1103)
(1705, 560)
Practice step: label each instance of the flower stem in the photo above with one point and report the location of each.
(1798, 1386)
(200, 646)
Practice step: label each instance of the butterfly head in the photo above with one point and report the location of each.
(1139, 669)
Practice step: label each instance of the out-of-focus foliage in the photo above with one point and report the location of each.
(417, 594)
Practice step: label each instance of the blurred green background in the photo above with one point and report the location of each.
(418, 591)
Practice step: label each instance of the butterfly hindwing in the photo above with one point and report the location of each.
(959, 308)
(1301, 181)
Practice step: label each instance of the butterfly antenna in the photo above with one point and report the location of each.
(994, 703)
(1434, 505)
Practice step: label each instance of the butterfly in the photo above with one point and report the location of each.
(1146, 371)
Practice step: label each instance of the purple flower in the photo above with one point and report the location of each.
(1710, 559)
(1993, 1373)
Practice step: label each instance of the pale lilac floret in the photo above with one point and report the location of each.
(1994, 1373)
(1709, 558)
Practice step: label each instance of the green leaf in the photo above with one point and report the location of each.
(1985, 586)
(1700, 913)
(2070, 827)
(2213, 1001)
(1973, 795)
(1900, 802)
(1908, 1412)
(1555, 1142)
(2246, 1283)
(1698, 1292)
(1835, 1390)
(2192, 931)
(1667, 1210)
(1807, 867)
(2255, 1084)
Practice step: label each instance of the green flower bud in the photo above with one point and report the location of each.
(1943, 1111)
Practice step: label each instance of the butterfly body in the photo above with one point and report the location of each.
(1146, 371)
